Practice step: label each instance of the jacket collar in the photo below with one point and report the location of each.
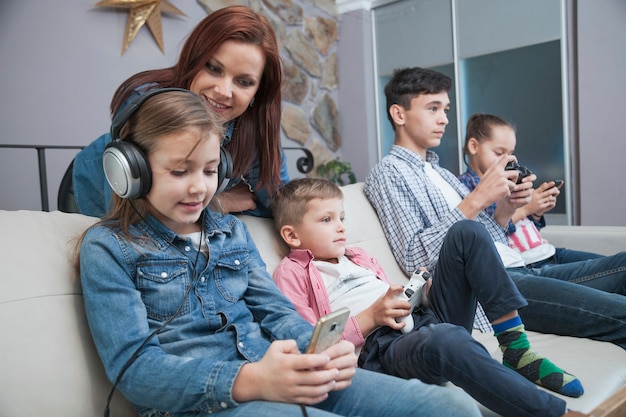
(304, 256)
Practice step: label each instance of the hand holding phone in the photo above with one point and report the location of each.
(558, 183)
(328, 330)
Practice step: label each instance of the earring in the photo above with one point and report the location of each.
(251, 102)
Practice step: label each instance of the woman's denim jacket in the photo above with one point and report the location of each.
(231, 315)
(93, 194)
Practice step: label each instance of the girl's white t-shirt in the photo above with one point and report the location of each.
(528, 242)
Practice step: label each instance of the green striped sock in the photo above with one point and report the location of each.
(519, 356)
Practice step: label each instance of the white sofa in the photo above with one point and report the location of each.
(49, 366)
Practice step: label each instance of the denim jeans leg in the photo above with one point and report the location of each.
(565, 256)
(375, 394)
(606, 273)
(564, 308)
(444, 352)
(372, 394)
(469, 268)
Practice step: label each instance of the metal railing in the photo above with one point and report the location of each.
(304, 164)
(41, 161)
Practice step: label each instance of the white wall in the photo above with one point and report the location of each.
(60, 63)
(601, 95)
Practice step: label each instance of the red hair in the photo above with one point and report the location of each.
(258, 128)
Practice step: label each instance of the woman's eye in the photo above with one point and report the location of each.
(244, 82)
(210, 172)
(212, 68)
(178, 173)
(326, 219)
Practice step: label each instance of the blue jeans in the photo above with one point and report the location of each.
(372, 394)
(581, 298)
(440, 348)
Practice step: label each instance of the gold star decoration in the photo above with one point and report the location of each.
(141, 12)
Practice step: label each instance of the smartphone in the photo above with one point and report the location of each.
(328, 330)
(558, 183)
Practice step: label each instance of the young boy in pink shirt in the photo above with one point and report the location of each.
(320, 274)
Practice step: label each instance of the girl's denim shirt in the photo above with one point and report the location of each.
(230, 316)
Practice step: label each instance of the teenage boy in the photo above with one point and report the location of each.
(321, 275)
(418, 201)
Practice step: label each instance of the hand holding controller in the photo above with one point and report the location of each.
(415, 293)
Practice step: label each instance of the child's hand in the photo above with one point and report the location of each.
(389, 307)
(521, 194)
(497, 183)
(344, 360)
(495, 186)
(284, 374)
(383, 312)
(543, 199)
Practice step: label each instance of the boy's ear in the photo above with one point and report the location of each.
(289, 235)
(396, 112)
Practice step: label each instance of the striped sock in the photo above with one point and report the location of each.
(519, 356)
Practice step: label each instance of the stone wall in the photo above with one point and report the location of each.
(307, 33)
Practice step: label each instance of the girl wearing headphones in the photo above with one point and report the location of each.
(183, 313)
(232, 60)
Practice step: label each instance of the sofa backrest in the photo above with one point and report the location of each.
(48, 363)
(363, 229)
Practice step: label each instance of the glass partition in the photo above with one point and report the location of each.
(415, 33)
(506, 57)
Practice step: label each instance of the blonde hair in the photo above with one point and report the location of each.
(290, 203)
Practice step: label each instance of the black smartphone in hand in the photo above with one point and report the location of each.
(328, 330)
(558, 183)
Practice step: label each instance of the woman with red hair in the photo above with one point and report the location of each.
(232, 60)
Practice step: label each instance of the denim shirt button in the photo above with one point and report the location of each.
(202, 279)
(237, 262)
(187, 248)
(240, 344)
(163, 274)
(223, 404)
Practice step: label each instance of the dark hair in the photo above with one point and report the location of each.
(480, 126)
(256, 133)
(408, 83)
(290, 203)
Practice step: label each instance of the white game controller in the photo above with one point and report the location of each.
(415, 293)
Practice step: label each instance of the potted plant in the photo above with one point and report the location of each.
(335, 170)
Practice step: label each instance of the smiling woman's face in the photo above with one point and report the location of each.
(231, 78)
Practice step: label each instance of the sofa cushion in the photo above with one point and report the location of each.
(50, 366)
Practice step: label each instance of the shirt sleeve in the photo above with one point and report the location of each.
(415, 217)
